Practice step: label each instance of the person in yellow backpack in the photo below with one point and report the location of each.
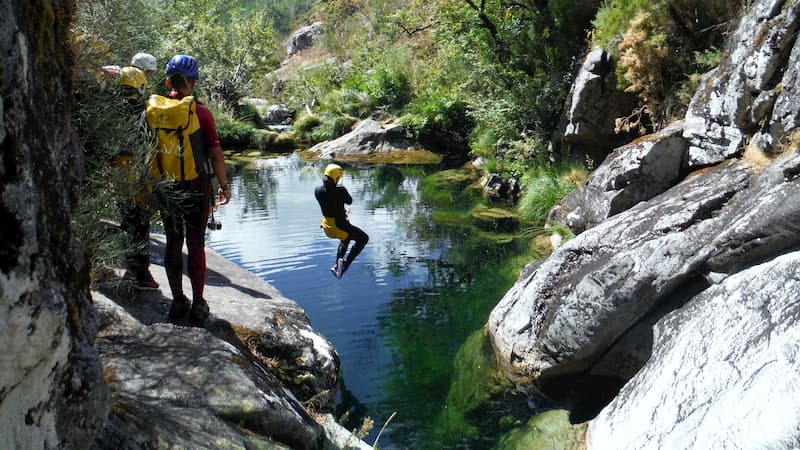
(186, 138)
(134, 212)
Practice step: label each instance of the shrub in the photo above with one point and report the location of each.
(351, 102)
(437, 114)
(234, 133)
(544, 187)
(305, 123)
(248, 113)
(643, 56)
(613, 19)
(389, 87)
(331, 127)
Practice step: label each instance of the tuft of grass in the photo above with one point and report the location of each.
(544, 187)
(235, 133)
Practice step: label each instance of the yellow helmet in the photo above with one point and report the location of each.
(132, 77)
(334, 171)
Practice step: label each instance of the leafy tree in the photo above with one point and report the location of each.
(234, 47)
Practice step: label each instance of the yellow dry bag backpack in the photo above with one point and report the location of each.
(179, 150)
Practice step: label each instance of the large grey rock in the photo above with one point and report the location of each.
(368, 137)
(303, 38)
(575, 306)
(786, 105)
(245, 379)
(736, 98)
(632, 173)
(593, 105)
(182, 386)
(247, 310)
(725, 372)
(52, 393)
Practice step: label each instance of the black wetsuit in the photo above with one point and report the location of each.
(331, 200)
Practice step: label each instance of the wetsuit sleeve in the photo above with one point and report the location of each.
(319, 194)
(208, 125)
(344, 195)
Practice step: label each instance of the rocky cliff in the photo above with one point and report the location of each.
(52, 393)
(682, 280)
(83, 369)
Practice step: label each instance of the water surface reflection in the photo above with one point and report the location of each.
(403, 309)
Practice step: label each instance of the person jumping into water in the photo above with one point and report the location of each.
(332, 199)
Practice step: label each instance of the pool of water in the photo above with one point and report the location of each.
(402, 311)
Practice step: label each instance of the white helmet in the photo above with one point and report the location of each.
(145, 61)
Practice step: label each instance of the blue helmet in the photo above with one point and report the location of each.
(183, 65)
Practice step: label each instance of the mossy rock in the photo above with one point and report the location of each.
(273, 141)
(497, 219)
(450, 187)
(550, 430)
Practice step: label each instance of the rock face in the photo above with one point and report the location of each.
(371, 139)
(683, 282)
(246, 379)
(593, 104)
(52, 393)
(725, 371)
(738, 97)
(303, 38)
(632, 173)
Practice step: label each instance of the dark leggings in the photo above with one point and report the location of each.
(185, 214)
(135, 222)
(353, 234)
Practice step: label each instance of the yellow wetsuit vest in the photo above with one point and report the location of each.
(331, 230)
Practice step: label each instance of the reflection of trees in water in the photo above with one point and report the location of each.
(426, 324)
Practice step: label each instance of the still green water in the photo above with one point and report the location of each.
(421, 289)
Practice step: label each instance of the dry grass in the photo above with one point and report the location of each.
(643, 53)
(756, 158)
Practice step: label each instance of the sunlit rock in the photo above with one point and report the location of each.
(725, 371)
(303, 38)
(632, 173)
(373, 141)
(593, 105)
(728, 107)
(255, 374)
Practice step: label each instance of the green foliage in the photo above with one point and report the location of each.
(614, 17)
(663, 46)
(233, 46)
(351, 102)
(248, 113)
(112, 31)
(544, 187)
(331, 127)
(389, 87)
(322, 127)
(285, 14)
(306, 88)
(305, 123)
(234, 133)
(437, 113)
(110, 130)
